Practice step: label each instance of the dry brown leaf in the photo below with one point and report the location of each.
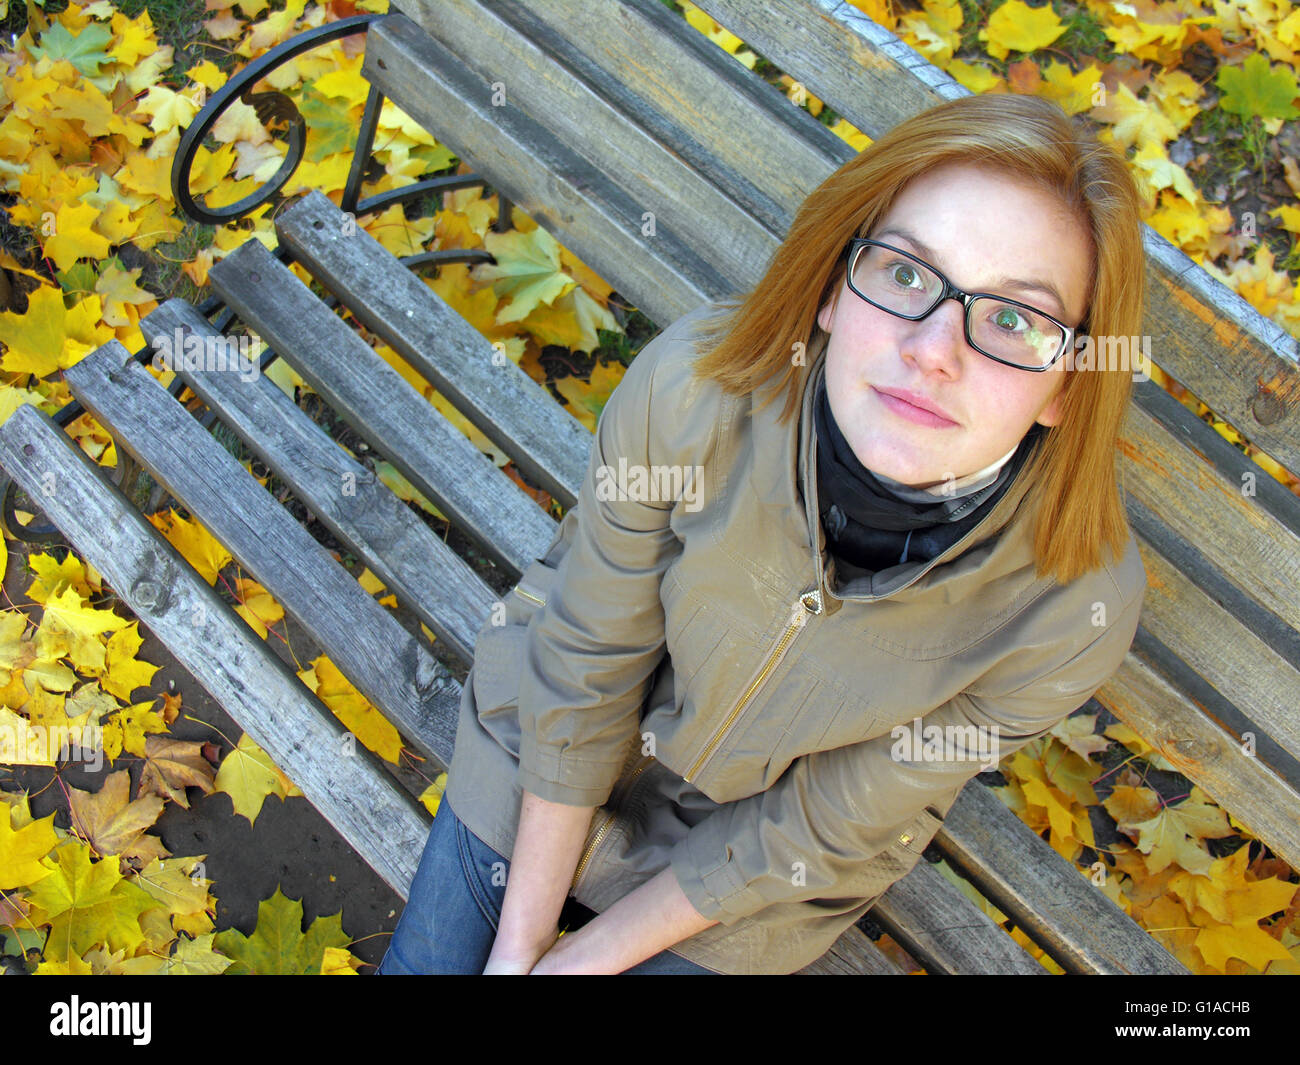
(170, 766)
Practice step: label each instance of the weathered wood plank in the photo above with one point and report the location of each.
(375, 400)
(842, 57)
(552, 183)
(386, 663)
(547, 443)
(852, 955)
(595, 48)
(1245, 524)
(943, 930)
(236, 668)
(1047, 899)
(509, 44)
(422, 571)
(1245, 367)
(1209, 636)
(1176, 725)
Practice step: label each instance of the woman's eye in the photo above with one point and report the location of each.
(905, 275)
(1009, 319)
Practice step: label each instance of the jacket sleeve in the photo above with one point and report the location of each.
(848, 822)
(592, 647)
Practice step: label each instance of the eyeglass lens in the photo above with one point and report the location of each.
(906, 286)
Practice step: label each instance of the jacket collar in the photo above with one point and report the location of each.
(958, 562)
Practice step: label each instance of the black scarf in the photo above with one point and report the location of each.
(869, 526)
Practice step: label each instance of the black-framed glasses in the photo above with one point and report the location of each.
(1005, 330)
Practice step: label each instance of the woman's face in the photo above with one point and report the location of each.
(988, 233)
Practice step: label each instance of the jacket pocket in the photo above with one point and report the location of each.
(692, 632)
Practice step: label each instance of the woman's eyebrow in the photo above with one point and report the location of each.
(1024, 285)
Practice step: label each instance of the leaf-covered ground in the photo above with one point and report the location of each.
(1201, 98)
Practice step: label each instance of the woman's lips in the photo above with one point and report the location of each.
(911, 412)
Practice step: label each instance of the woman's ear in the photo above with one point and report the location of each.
(827, 314)
(1050, 415)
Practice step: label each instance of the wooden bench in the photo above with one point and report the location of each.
(610, 113)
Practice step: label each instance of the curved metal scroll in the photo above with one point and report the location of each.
(270, 107)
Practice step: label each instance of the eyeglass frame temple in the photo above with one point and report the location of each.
(951, 291)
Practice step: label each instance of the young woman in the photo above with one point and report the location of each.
(733, 701)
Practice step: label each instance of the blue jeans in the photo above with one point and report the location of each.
(451, 914)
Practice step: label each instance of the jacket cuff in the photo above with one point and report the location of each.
(570, 781)
(711, 879)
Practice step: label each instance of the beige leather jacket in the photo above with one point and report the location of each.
(696, 669)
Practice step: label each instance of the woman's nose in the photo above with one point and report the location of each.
(938, 341)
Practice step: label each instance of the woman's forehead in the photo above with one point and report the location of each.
(984, 227)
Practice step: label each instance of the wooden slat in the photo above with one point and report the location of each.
(1178, 728)
(852, 955)
(1244, 523)
(414, 564)
(943, 930)
(386, 663)
(375, 400)
(1209, 637)
(1046, 898)
(1203, 334)
(223, 654)
(493, 38)
(642, 62)
(535, 170)
(547, 443)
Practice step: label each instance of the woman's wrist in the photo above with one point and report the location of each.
(547, 845)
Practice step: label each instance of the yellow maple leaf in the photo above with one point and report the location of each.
(1173, 834)
(73, 236)
(69, 621)
(197, 546)
(22, 848)
(1180, 222)
(1247, 941)
(1134, 121)
(256, 606)
(1130, 805)
(123, 672)
(571, 320)
(42, 340)
(1075, 93)
(1015, 26)
(362, 719)
(339, 961)
(52, 573)
(932, 31)
(129, 728)
(1227, 896)
(975, 76)
(173, 883)
(432, 795)
(248, 776)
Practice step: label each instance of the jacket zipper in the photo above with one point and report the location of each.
(809, 603)
(529, 595)
(608, 822)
